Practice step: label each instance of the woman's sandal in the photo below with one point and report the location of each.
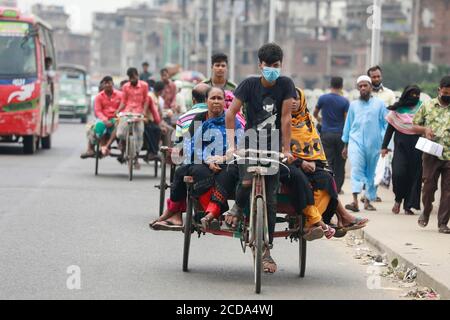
(314, 234)
(357, 224)
(396, 208)
(166, 226)
(369, 207)
(210, 224)
(329, 232)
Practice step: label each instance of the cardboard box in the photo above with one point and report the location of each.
(430, 147)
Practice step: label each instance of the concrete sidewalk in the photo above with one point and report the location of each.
(399, 236)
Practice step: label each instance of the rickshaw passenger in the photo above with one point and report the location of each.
(106, 104)
(310, 160)
(213, 180)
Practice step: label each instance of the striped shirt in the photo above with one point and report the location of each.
(184, 121)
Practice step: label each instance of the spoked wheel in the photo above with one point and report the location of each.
(97, 157)
(302, 247)
(130, 155)
(259, 243)
(187, 234)
(162, 186)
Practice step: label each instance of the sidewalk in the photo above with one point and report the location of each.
(399, 236)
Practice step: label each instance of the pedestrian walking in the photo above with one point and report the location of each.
(407, 161)
(433, 121)
(379, 90)
(363, 134)
(334, 108)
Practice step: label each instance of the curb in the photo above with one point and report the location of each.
(423, 277)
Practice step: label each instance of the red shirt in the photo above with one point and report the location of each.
(105, 106)
(154, 111)
(135, 97)
(170, 95)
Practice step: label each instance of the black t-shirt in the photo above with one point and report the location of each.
(263, 106)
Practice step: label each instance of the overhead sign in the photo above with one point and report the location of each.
(16, 29)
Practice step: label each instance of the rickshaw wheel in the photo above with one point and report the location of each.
(187, 233)
(97, 157)
(302, 247)
(130, 156)
(259, 243)
(162, 185)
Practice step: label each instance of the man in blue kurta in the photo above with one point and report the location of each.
(363, 135)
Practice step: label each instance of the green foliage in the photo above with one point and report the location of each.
(398, 75)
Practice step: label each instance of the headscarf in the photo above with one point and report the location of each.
(229, 97)
(210, 133)
(305, 139)
(402, 112)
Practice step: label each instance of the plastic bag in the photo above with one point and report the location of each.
(383, 172)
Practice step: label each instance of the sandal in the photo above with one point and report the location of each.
(329, 232)
(269, 265)
(340, 232)
(369, 207)
(423, 221)
(210, 224)
(236, 213)
(352, 207)
(444, 230)
(396, 208)
(87, 155)
(409, 212)
(166, 226)
(357, 224)
(314, 234)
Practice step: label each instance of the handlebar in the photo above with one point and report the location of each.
(136, 116)
(261, 155)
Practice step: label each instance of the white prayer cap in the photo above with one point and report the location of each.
(364, 78)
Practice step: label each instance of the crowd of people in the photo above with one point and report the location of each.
(316, 155)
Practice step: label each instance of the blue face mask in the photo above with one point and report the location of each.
(271, 74)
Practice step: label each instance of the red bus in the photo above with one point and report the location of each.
(28, 84)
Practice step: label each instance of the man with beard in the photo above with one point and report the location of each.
(378, 89)
(363, 135)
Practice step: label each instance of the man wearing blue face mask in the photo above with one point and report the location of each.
(267, 102)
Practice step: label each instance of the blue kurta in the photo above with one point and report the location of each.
(364, 132)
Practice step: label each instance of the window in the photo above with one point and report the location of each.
(426, 54)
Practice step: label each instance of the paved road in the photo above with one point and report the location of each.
(54, 213)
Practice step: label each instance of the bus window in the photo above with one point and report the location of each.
(17, 50)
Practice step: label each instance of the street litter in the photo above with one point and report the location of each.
(422, 294)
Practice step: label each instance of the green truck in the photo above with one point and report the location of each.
(74, 98)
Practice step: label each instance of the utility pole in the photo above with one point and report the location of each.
(376, 33)
(272, 20)
(233, 41)
(210, 34)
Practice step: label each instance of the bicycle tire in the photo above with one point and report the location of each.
(130, 156)
(187, 234)
(97, 157)
(302, 248)
(162, 186)
(259, 243)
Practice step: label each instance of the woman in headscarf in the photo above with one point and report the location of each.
(407, 162)
(306, 146)
(214, 181)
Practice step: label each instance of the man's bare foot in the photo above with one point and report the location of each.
(105, 151)
(269, 265)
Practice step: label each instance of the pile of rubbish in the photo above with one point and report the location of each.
(404, 277)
